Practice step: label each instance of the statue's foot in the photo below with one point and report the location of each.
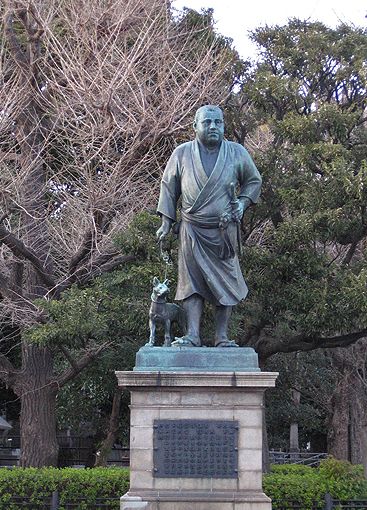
(149, 344)
(186, 341)
(225, 343)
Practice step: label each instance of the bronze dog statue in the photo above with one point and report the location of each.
(161, 311)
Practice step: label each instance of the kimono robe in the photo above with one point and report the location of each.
(202, 268)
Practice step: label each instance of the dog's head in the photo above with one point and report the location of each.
(160, 289)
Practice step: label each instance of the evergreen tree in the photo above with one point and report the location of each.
(305, 106)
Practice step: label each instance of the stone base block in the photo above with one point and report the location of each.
(157, 397)
(186, 500)
(134, 503)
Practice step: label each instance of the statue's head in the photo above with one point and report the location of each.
(209, 125)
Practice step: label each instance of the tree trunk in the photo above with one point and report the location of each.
(37, 392)
(293, 438)
(358, 420)
(103, 452)
(347, 436)
(364, 448)
(338, 428)
(293, 431)
(38, 388)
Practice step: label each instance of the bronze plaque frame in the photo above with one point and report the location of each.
(195, 449)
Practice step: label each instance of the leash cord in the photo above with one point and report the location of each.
(166, 257)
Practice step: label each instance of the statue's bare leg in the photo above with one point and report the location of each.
(222, 315)
(193, 307)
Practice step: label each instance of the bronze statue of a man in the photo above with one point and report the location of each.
(205, 173)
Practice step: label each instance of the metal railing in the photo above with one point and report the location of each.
(351, 504)
(329, 503)
(295, 505)
(53, 502)
(73, 451)
(304, 458)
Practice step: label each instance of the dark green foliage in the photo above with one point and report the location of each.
(71, 484)
(113, 308)
(303, 259)
(313, 375)
(305, 485)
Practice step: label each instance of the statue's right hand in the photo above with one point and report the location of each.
(163, 231)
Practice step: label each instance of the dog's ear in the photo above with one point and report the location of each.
(155, 281)
(166, 282)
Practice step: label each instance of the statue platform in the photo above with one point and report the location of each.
(196, 359)
(196, 429)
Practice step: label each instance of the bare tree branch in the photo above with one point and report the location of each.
(4, 284)
(96, 114)
(84, 250)
(86, 273)
(68, 356)
(352, 249)
(87, 121)
(108, 266)
(80, 364)
(20, 250)
(101, 222)
(266, 346)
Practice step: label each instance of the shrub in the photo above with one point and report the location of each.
(72, 484)
(307, 485)
(301, 484)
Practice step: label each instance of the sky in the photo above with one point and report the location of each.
(236, 17)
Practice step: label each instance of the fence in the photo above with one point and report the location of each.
(294, 505)
(305, 458)
(331, 503)
(53, 503)
(73, 451)
(328, 504)
(112, 503)
(78, 450)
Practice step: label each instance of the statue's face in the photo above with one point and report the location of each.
(209, 127)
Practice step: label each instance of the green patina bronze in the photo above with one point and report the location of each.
(196, 359)
(204, 174)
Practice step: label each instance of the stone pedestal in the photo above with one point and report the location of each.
(234, 397)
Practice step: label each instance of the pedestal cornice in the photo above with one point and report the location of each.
(260, 380)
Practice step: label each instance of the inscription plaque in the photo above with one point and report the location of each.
(195, 449)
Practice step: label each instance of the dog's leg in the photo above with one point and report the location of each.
(152, 326)
(167, 333)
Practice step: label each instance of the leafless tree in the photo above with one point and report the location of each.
(92, 96)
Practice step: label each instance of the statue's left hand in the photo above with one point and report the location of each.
(237, 212)
(241, 205)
